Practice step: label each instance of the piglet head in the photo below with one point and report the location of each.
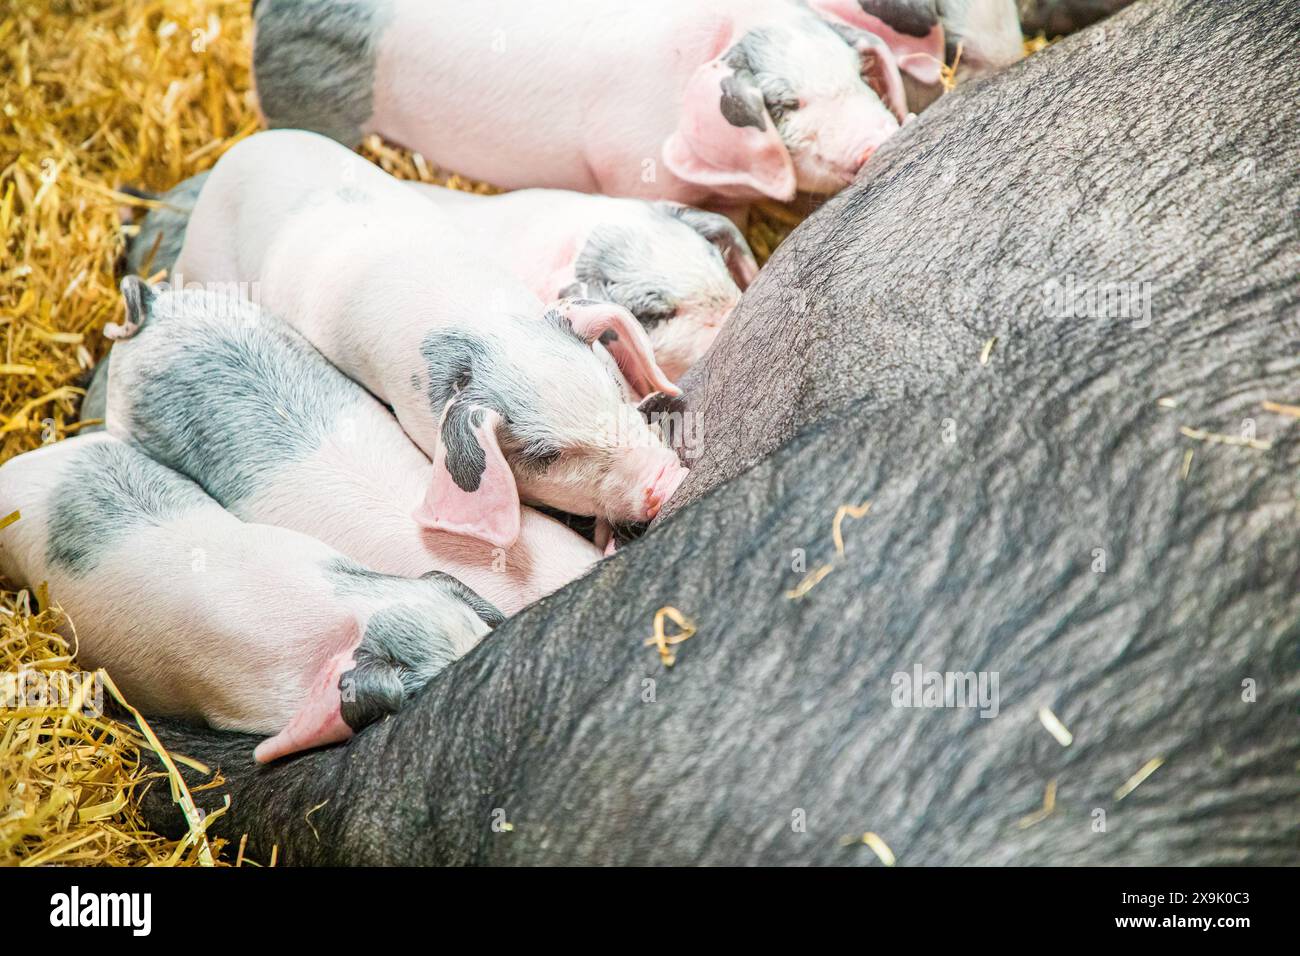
(848, 100)
(613, 464)
(647, 478)
(620, 486)
(405, 631)
(533, 411)
(473, 490)
(791, 96)
(679, 271)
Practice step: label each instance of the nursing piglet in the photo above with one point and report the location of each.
(506, 396)
(679, 270)
(196, 614)
(236, 400)
(725, 101)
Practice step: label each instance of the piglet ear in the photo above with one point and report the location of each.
(319, 721)
(879, 68)
(725, 138)
(880, 71)
(918, 52)
(473, 491)
(618, 330)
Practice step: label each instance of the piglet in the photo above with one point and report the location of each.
(725, 101)
(678, 270)
(236, 400)
(195, 613)
(506, 396)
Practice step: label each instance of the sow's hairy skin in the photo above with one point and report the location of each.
(1150, 148)
(979, 554)
(973, 557)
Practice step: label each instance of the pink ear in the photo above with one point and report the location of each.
(880, 70)
(919, 56)
(473, 491)
(621, 334)
(743, 267)
(319, 721)
(725, 138)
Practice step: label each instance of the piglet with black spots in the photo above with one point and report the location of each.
(236, 400)
(679, 270)
(723, 102)
(197, 614)
(509, 398)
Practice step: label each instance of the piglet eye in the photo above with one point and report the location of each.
(649, 318)
(650, 310)
(779, 105)
(539, 458)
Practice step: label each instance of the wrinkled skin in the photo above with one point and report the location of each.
(952, 234)
(978, 554)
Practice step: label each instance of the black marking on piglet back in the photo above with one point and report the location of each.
(915, 18)
(107, 493)
(251, 401)
(466, 458)
(488, 612)
(314, 64)
(742, 101)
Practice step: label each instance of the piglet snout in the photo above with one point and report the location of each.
(867, 147)
(661, 488)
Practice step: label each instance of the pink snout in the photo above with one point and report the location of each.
(660, 488)
(867, 148)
